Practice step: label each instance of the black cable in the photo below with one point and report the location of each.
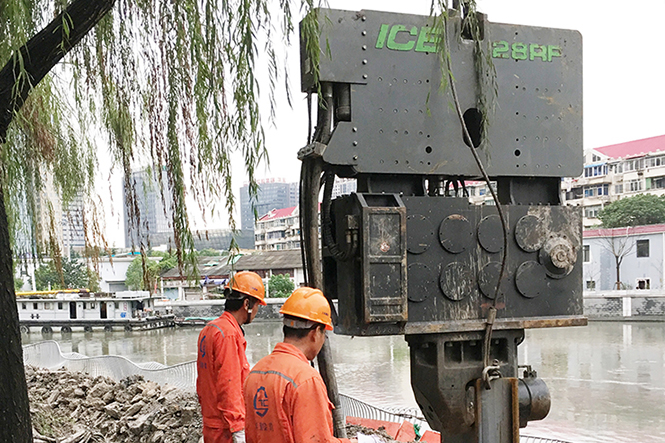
(479, 163)
(303, 254)
(326, 228)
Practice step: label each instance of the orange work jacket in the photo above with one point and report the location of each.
(286, 401)
(222, 369)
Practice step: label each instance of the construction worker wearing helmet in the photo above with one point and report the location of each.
(285, 398)
(222, 366)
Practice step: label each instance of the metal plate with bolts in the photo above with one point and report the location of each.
(455, 233)
(420, 233)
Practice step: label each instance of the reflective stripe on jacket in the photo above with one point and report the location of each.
(222, 369)
(286, 400)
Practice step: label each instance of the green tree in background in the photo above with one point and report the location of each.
(643, 209)
(209, 252)
(280, 286)
(138, 280)
(74, 275)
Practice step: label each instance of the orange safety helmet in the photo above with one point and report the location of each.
(248, 283)
(309, 304)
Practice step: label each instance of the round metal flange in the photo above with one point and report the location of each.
(420, 233)
(530, 233)
(490, 234)
(421, 282)
(488, 278)
(455, 234)
(558, 256)
(457, 281)
(531, 279)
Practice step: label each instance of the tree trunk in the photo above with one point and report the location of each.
(618, 265)
(15, 425)
(39, 55)
(42, 52)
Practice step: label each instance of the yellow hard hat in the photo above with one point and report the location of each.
(309, 304)
(248, 283)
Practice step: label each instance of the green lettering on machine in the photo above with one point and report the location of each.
(400, 37)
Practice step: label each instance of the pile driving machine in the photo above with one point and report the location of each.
(408, 253)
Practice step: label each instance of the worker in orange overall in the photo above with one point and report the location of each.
(221, 362)
(285, 397)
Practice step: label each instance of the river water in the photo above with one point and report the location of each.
(607, 380)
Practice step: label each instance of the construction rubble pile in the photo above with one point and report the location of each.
(73, 407)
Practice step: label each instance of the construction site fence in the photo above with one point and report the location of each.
(47, 354)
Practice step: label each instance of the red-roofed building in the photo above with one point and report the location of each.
(617, 171)
(279, 229)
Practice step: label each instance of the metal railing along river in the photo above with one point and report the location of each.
(47, 354)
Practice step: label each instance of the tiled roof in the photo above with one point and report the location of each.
(620, 232)
(217, 267)
(279, 213)
(635, 148)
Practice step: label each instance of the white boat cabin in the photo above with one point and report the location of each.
(72, 306)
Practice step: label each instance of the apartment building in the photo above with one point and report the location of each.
(617, 171)
(279, 229)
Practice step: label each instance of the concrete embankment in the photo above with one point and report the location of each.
(215, 308)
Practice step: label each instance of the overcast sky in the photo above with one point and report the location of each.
(624, 67)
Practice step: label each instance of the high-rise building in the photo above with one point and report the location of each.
(73, 229)
(154, 216)
(273, 193)
(344, 186)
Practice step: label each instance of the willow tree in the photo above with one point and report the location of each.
(171, 85)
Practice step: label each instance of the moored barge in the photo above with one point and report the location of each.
(69, 310)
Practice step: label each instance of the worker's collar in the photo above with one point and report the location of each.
(288, 348)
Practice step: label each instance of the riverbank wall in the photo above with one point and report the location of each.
(641, 305)
(635, 305)
(215, 308)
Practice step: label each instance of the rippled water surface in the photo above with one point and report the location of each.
(607, 380)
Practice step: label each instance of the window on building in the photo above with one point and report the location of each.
(92, 306)
(47, 306)
(60, 306)
(642, 247)
(595, 158)
(24, 306)
(34, 306)
(117, 305)
(618, 189)
(586, 253)
(635, 185)
(658, 182)
(591, 285)
(643, 283)
(592, 211)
